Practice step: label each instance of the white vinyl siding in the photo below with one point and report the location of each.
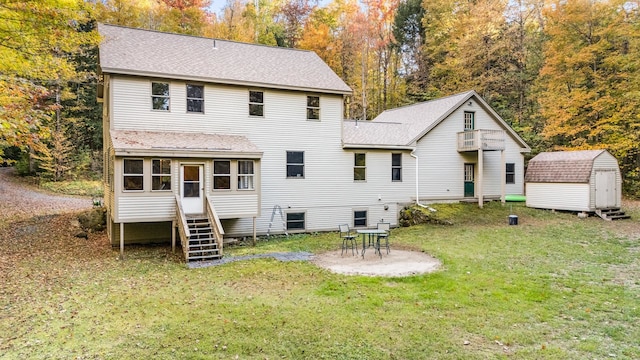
(565, 196)
(146, 208)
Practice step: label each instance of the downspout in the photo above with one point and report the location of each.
(418, 183)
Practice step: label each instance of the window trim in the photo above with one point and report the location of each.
(168, 97)
(228, 175)
(256, 103)
(304, 221)
(247, 175)
(187, 98)
(294, 164)
(398, 167)
(507, 173)
(161, 175)
(355, 166)
(366, 218)
(125, 175)
(309, 107)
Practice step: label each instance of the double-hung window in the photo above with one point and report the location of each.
(133, 174)
(245, 174)
(295, 164)
(313, 108)
(510, 173)
(256, 103)
(161, 174)
(396, 167)
(360, 167)
(160, 96)
(469, 119)
(195, 98)
(295, 221)
(360, 218)
(222, 175)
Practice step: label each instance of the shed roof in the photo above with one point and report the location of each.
(562, 166)
(404, 126)
(156, 54)
(131, 142)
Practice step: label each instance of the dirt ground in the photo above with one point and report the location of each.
(395, 264)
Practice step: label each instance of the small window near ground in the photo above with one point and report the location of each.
(313, 108)
(222, 175)
(133, 174)
(510, 173)
(360, 167)
(295, 164)
(360, 218)
(256, 103)
(245, 174)
(161, 174)
(195, 98)
(160, 96)
(396, 167)
(295, 221)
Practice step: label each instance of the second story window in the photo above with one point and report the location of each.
(295, 164)
(256, 103)
(313, 108)
(161, 174)
(222, 175)
(469, 120)
(133, 174)
(195, 98)
(160, 96)
(396, 167)
(360, 167)
(245, 175)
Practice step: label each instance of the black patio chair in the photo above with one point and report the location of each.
(347, 237)
(383, 237)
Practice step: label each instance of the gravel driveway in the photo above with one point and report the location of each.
(19, 202)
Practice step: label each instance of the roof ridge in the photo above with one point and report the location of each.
(207, 38)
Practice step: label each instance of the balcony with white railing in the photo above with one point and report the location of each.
(487, 140)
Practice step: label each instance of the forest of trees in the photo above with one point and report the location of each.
(564, 73)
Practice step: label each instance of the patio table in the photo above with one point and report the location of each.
(370, 233)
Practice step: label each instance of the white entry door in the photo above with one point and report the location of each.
(606, 191)
(192, 189)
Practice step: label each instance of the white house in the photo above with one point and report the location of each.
(224, 139)
(586, 181)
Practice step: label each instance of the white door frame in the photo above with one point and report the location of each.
(192, 190)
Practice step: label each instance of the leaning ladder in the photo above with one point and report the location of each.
(277, 208)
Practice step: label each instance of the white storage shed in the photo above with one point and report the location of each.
(587, 180)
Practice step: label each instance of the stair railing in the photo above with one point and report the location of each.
(183, 228)
(216, 225)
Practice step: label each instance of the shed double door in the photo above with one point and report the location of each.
(606, 192)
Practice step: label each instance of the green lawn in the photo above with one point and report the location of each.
(553, 287)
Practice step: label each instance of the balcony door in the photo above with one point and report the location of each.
(192, 189)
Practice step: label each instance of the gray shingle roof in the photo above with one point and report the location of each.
(151, 53)
(562, 166)
(128, 142)
(403, 126)
(400, 126)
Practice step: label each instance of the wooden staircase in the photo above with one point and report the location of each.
(202, 244)
(612, 214)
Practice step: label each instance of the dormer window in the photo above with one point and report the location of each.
(160, 96)
(195, 98)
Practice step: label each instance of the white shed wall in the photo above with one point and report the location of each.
(559, 196)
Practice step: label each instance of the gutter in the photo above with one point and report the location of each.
(418, 183)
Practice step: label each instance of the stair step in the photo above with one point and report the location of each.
(619, 217)
(203, 258)
(203, 252)
(209, 245)
(200, 230)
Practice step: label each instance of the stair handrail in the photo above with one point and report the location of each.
(216, 225)
(183, 228)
